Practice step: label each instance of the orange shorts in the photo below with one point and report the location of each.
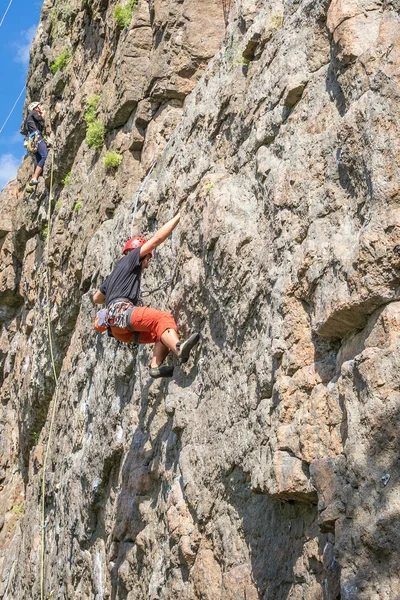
(150, 322)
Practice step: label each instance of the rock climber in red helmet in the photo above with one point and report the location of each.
(128, 321)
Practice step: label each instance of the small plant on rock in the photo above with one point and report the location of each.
(123, 13)
(45, 232)
(61, 61)
(95, 130)
(77, 206)
(112, 160)
(18, 509)
(209, 188)
(67, 179)
(35, 438)
(95, 134)
(90, 114)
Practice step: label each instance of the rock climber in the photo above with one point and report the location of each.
(128, 321)
(34, 125)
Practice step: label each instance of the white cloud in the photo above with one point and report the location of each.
(23, 47)
(8, 168)
(14, 138)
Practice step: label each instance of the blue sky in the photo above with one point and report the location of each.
(16, 34)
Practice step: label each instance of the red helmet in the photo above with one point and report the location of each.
(135, 242)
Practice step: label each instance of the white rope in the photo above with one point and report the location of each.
(140, 188)
(4, 16)
(139, 191)
(12, 110)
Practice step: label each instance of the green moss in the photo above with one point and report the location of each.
(35, 438)
(90, 114)
(58, 205)
(61, 61)
(95, 134)
(112, 160)
(123, 13)
(67, 179)
(45, 232)
(18, 509)
(77, 206)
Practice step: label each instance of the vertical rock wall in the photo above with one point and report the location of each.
(268, 468)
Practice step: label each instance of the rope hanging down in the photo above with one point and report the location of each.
(53, 412)
(12, 110)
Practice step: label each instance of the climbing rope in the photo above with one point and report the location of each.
(4, 16)
(138, 193)
(12, 110)
(53, 413)
(143, 183)
(226, 7)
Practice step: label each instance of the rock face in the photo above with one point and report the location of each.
(267, 468)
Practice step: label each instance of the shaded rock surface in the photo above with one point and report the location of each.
(267, 468)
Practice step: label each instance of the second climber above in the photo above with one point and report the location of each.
(128, 321)
(34, 125)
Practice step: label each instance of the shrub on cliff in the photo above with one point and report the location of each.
(90, 114)
(95, 134)
(95, 130)
(123, 13)
(61, 61)
(112, 160)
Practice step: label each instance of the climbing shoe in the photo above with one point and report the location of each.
(165, 371)
(31, 187)
(186, 347)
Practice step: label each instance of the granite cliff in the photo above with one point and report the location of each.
(268, 467)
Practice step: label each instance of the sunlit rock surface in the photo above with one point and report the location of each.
(267, 468)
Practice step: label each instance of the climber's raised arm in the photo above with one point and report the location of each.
(160, 236)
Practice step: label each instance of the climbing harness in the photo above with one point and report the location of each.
(32, 142)
(119, 313)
